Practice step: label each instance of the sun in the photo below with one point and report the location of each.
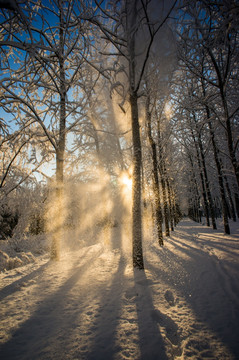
(126, 180)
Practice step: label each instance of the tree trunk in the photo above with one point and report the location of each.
(162, 177)
(232, 207)
(138, 261)
(236, 196)
(57, 212)
(170, 203)
(165, 205)
(202, 181)
(209, 196)
(158, 210)
(220, 177)
(195, 190)
(60, 152)
(131, 17)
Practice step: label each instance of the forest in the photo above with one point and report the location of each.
(98, 98)
(119, 148)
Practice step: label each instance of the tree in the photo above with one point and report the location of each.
(208, 49)
(130, 21)
(211, 30)
(42, 67)
(156, 191)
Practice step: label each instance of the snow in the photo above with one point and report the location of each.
(93, 305)
(17, 251)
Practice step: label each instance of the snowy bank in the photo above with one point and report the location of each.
(15, 252)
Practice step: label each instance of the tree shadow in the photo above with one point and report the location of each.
(150, 320)
(39, 336)
(16, 285)
(105, 344)
(206, 285)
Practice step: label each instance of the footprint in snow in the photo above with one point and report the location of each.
(170, 326)
(169, 297)
(130, 295)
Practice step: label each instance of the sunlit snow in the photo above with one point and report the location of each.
(93, 305)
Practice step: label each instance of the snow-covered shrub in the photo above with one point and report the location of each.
(4, 260)
(14, 262)
(8, 262)
(35, 244)
(19, 252)
(26, 258)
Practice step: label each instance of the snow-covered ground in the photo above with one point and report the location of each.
(92, 304)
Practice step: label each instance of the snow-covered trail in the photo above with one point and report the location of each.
(200, 268)
(92, 305)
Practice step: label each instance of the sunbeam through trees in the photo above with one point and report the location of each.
(117, 120)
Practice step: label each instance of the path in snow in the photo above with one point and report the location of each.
(92, 305)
